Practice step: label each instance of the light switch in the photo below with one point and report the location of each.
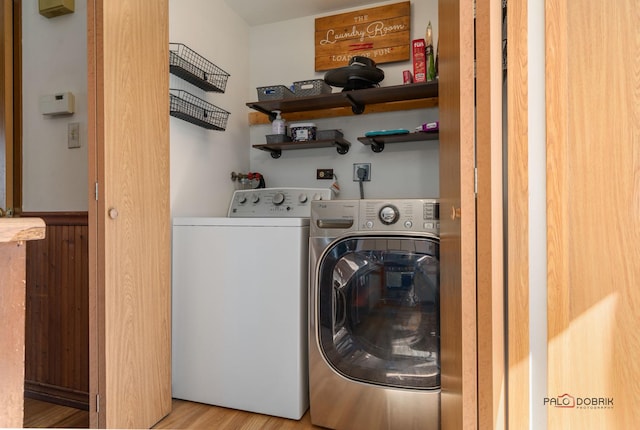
(73, 135)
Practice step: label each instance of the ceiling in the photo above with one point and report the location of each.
(268, 11)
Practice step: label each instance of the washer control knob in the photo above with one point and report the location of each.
(369, 224)
(303, 198)
(389, 214)
(278, 199)
(255, 198)
(408, 224)
(242, 199)
(317, 196)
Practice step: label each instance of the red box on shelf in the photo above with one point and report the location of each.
(419, 61)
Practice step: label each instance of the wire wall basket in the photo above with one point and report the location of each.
(193, 109)
(193, 68)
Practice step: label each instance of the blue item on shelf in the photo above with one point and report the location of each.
(386, 132)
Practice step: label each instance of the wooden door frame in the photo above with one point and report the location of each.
(6, 98)
(11, 111)
(96, 236)
(503, 334)
(518, 301)
(458, 293)
(17, 107)
(490, 217)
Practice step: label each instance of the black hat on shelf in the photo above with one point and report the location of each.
(360, 73)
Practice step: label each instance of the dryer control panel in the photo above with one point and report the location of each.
(400, 215)
(336, 217)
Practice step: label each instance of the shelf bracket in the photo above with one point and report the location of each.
(356, 108)
(260, 109)
(275, 153)
(341, 148)
(376, 146)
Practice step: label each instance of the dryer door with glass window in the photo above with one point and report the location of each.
(378, 310)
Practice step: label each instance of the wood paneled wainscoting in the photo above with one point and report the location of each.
(57, 311)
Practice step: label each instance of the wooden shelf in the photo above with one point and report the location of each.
(357, 100)
(380, 99)
(257, 118)
(341, 145)
(377, 142)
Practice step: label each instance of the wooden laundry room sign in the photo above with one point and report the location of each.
(380, 33)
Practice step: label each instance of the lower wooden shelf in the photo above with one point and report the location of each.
(377, 142)
(342, 146)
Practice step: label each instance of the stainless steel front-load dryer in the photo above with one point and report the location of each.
(374, 320)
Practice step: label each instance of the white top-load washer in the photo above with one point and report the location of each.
(239, 292)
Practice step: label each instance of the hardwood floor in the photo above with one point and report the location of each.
(38, 414)
(185, 415)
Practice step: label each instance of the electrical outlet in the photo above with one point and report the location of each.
(367, 171)
(324, 174)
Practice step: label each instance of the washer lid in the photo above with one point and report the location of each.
(240, 222)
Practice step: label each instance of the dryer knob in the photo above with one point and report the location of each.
(255, 198)
(278, 199)
(242, 199)
(389, 214)
(317, 196)
(303, 198)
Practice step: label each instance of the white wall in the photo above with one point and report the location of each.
(202, 160)
(54, 60)
(282, 53)
(55, 177)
